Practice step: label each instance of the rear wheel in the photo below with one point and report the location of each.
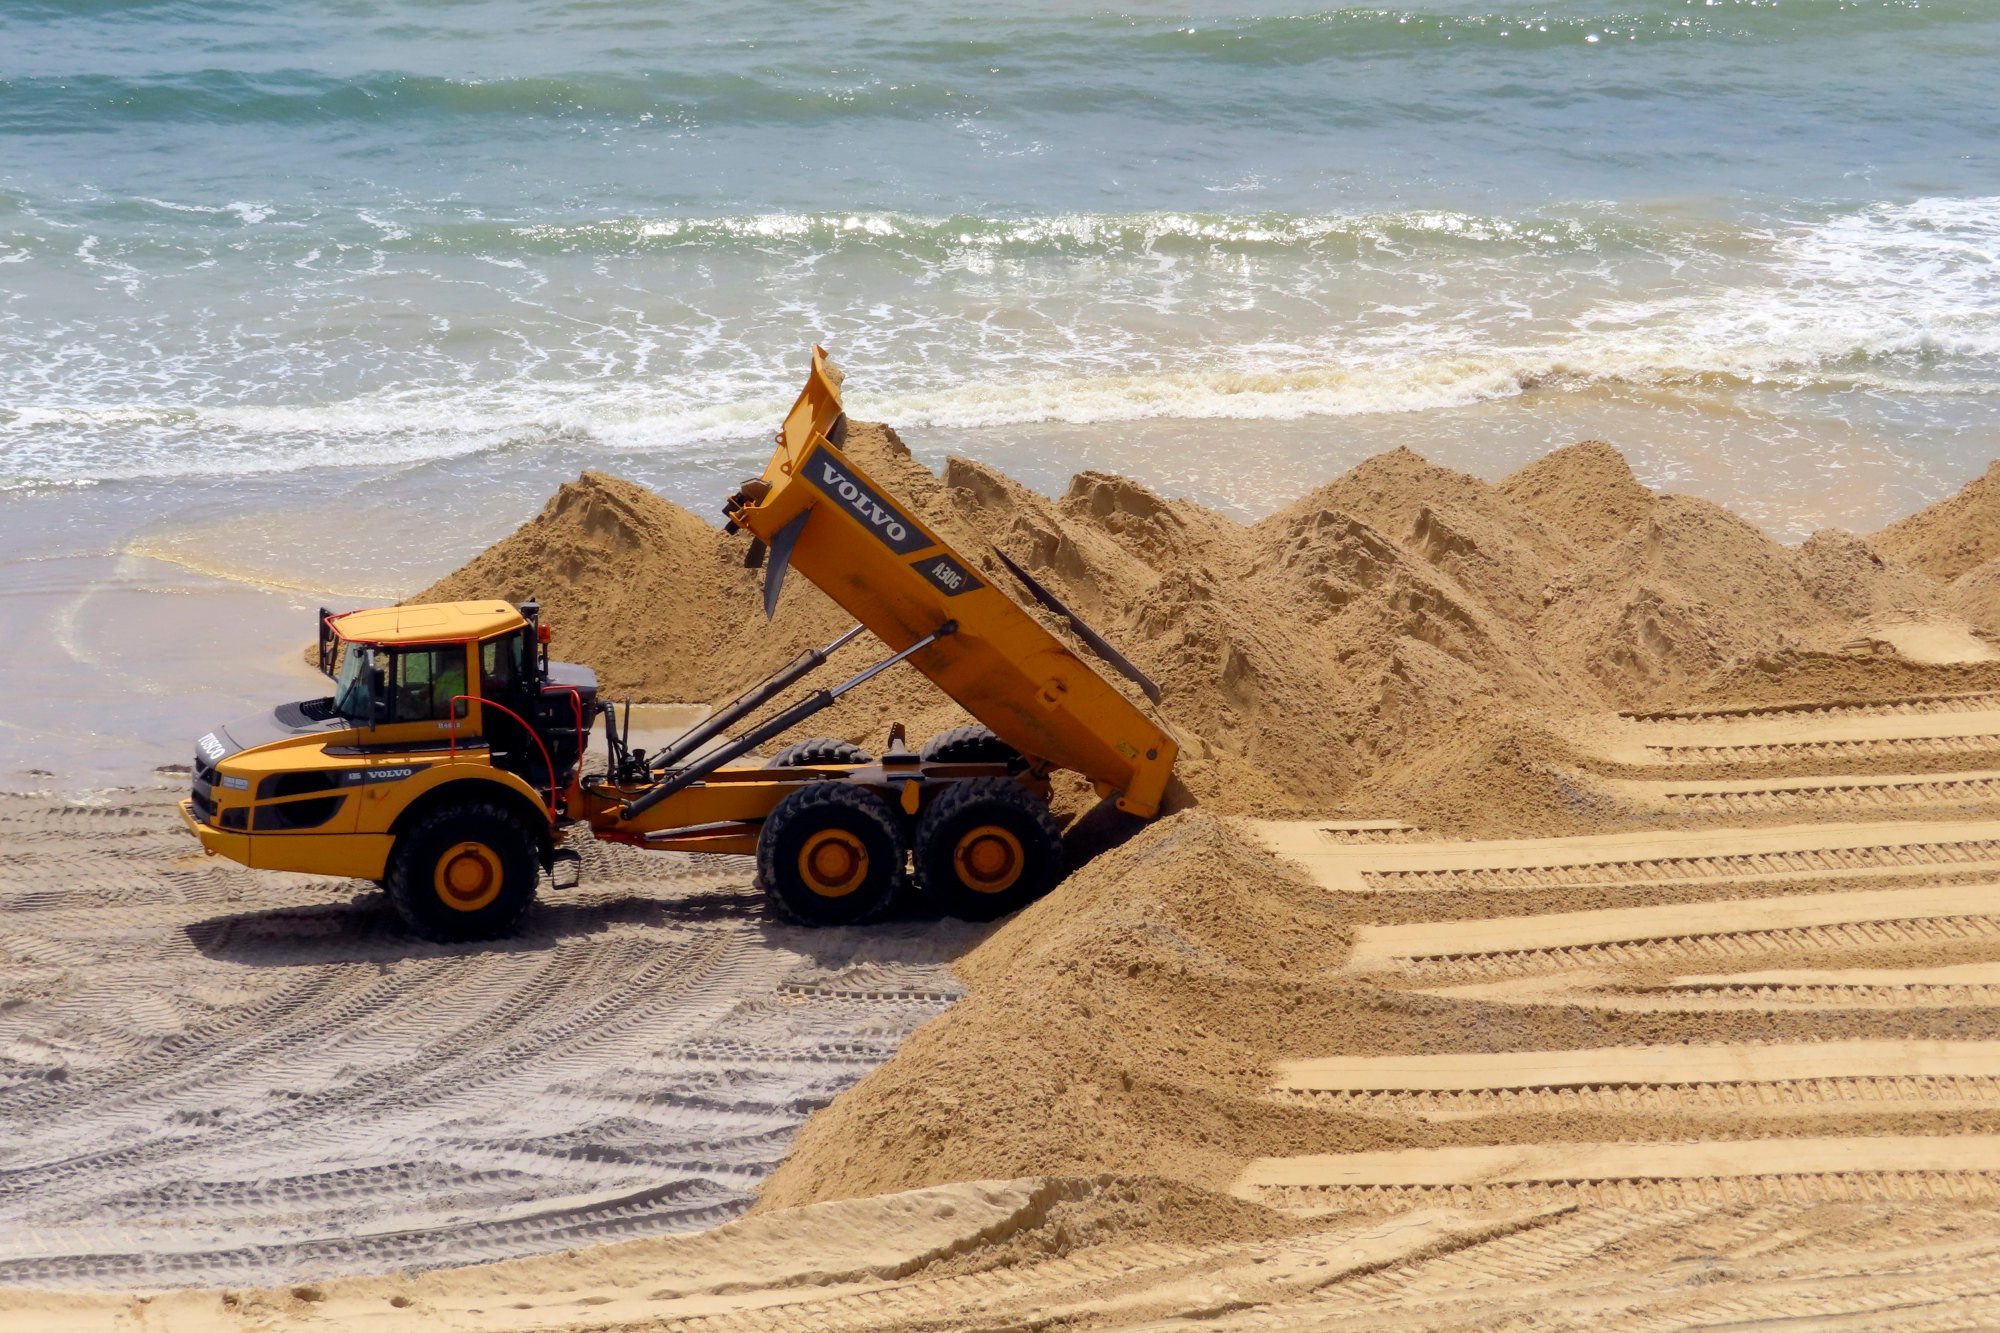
(817, 753)
(987, 847)
(465, 871)
(968, 745)
(830, 854)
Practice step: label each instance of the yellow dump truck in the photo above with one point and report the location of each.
(452, 761)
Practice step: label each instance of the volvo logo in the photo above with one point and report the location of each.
(890, 525)
(860, 502)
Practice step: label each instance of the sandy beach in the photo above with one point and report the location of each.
(1579, 906)
(1543, 463)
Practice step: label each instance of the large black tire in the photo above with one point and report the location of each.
(968, 745)
(987, 847)
(464, 871)
(831, 854)
(818, 753)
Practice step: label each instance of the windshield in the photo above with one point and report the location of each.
(350, 683)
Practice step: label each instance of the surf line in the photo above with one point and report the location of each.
(261, 582)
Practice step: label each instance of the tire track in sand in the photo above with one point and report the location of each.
(1747, 1078)
(209, 1075)
(1956, 1168)
(1719, 955)
(1675, 935)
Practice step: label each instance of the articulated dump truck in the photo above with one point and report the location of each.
(453, 760)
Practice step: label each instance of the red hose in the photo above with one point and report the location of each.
(533, 735)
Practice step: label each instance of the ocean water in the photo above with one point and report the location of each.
(246, 236)
(319, 298)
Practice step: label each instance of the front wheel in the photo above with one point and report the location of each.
(465, 871)
(987, 847)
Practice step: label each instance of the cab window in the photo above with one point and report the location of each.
(502, 666)
(426, 681)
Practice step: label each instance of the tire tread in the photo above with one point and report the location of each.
(817, 751)
(968, 745)
(404, 894)
(973, 792)
(807, 804)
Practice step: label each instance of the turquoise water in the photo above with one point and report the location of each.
(244, 238)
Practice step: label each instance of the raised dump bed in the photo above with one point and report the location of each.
(823, 515)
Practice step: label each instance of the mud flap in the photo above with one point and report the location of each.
(565, 856)
(780, 561)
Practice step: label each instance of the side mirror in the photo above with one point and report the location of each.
(460, 708)
(329, 646)
(378, 694)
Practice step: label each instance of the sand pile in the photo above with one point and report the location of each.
(1953, 536)
(657, 599)
(1129, 1023)
(1689, 589)
(602, 556)
(1975, 595)
(1586, 491)
(1851, 577)
(1388, 645)
(1334, 640)
(1123, 1023)
(1956, 542)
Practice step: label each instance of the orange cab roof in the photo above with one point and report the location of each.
(438, 621)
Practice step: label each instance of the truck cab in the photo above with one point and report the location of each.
(441, 765)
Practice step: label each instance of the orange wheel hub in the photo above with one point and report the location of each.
(468, 877)
(990, 859)
(833, 863)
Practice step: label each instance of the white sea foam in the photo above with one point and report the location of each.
(1106, 233)
(250, 213)
(1895, 300)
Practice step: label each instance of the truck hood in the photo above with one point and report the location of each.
(284, 722)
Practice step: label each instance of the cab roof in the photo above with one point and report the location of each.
(432, 623)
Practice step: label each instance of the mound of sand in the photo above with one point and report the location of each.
(602, 556)
(1850, 577)
(1586, 491)
(1491, 767)
(1952, 536)
(1110, 1022)
(1128, 1024)
(1335, 639)
(658, 602)
(1687, 590)
(1975, 595)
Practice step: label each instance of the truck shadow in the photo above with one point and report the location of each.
(364, 930)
